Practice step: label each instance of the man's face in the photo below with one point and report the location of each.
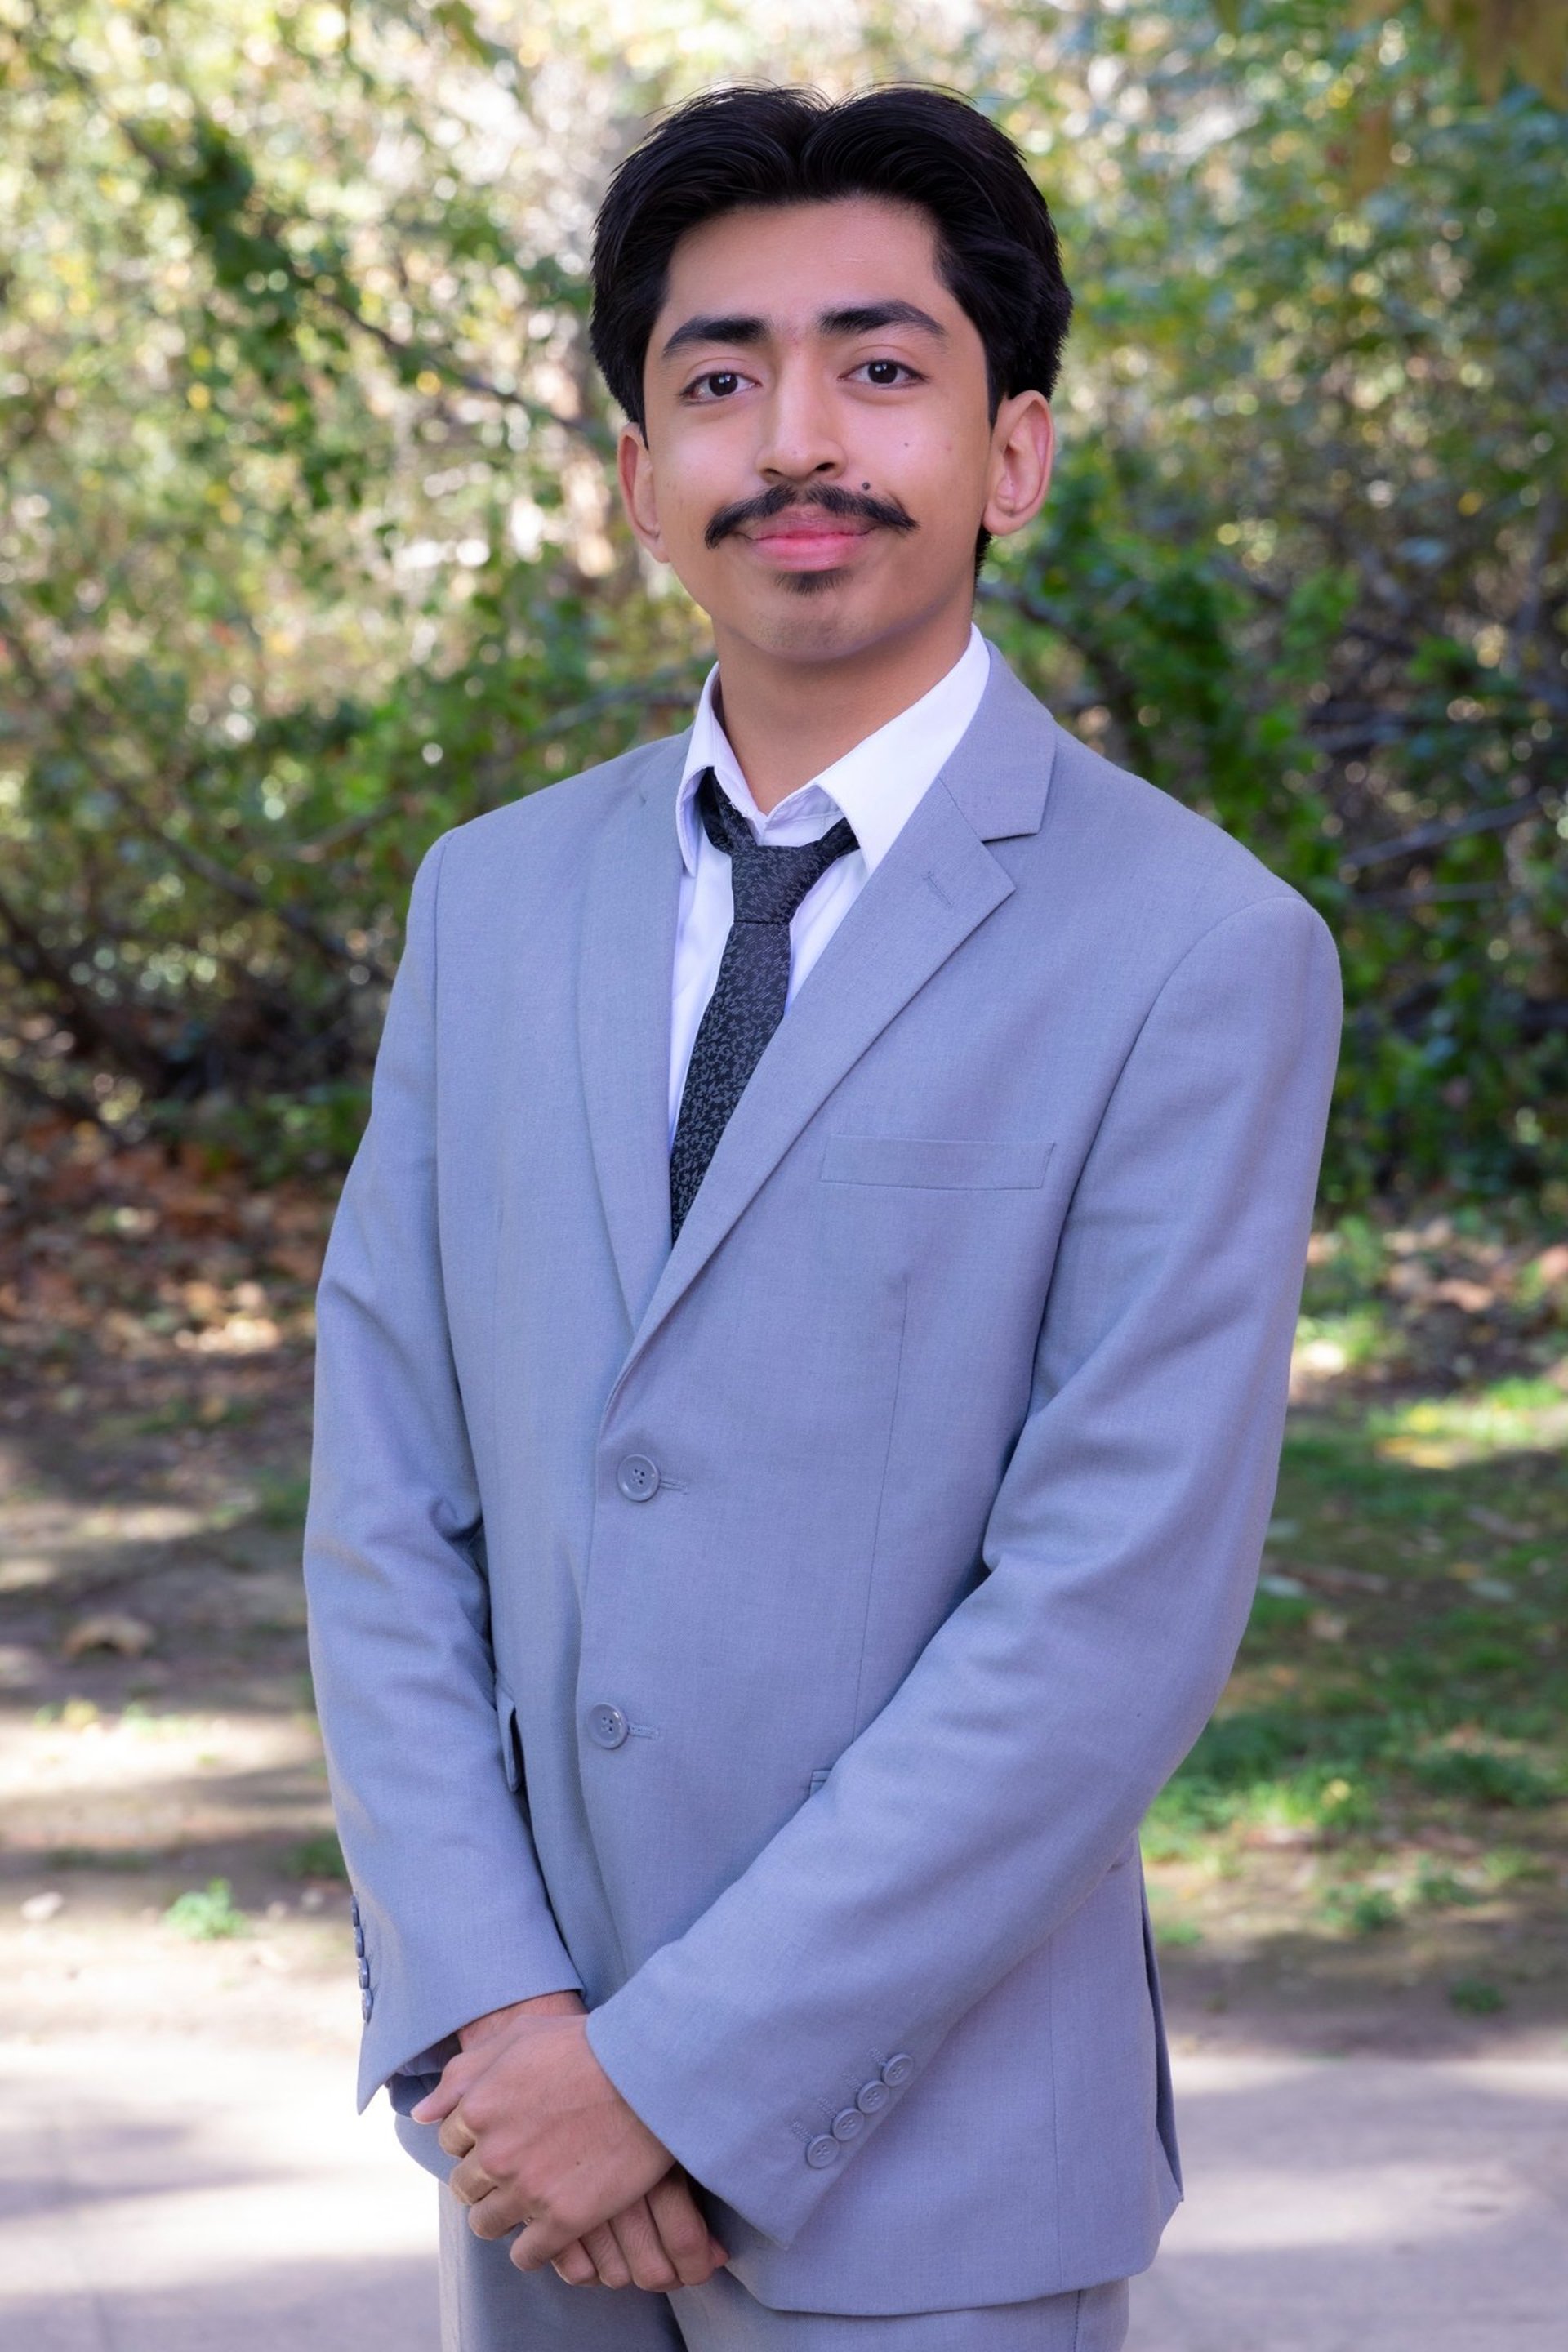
(819, 452)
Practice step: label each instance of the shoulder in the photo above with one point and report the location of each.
(1114, 859)
(1158, 852)
(556, 824)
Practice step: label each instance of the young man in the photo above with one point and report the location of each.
(803, 1350)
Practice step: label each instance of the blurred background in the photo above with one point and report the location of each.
(308, 550)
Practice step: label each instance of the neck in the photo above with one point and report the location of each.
(789, 719)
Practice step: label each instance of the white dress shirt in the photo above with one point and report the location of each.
(876, 786)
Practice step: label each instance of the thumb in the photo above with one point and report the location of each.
(438, 2104)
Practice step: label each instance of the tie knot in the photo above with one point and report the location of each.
(768, 882)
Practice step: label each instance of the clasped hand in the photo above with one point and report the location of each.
(545, 2141)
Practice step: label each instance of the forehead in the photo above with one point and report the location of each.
(790, 262)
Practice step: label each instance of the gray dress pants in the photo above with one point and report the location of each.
(487, 2306)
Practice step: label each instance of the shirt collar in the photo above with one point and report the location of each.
(876, 785)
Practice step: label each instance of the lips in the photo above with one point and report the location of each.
(818, 528)
(800, 539)
(810, 525)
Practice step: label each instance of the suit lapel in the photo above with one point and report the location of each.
(632, 900)
(936, 885)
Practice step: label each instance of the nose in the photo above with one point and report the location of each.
(801, 441)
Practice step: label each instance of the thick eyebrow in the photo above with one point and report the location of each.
(714, 328)
(865, 318)
(857, 318)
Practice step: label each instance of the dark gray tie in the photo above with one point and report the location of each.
(749, 996)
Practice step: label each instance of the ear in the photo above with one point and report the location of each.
(1023, 443)
(635, 467)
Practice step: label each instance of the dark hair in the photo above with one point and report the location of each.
(996, 249)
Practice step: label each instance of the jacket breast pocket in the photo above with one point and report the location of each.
(937, 1163)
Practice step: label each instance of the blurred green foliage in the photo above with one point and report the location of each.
(206, 1914)
(308, 548)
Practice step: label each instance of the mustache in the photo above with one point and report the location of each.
(884, 514)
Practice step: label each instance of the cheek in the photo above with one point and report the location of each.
(692, 485)
(941, 485)
(934, 459)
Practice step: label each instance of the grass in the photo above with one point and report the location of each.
(1475, 1997)
(318, 1857)
(1399, 1709)
(206, 1914)
(282, 1502)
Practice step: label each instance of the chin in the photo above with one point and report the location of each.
(812, 618)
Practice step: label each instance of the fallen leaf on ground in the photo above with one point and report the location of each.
(128, 1637)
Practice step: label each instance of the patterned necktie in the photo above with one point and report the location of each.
(748, 999)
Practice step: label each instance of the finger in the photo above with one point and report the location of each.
(541, 2239)
(574, 2264)
(640, 2243)
(684, 2233)
(501, 2212)
(455, 2136)
(469, 2181)
(687, 2239)
(457, 2076)
(610, 2265)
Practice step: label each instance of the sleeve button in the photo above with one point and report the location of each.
(847, 2122)
(871, 2097)
(821, 2152)
(898, 2070)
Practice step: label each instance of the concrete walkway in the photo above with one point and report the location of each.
(173, 2196)
(165, 2195)
(1365, 2205)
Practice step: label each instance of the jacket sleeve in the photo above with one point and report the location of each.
(1016, 1760)
(450, 1909)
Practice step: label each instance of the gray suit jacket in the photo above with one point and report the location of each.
(782, 1637)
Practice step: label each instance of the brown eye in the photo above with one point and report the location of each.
(883, 371)
(722, 383)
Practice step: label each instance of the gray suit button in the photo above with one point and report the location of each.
(607, 1727)
(847, 2122)
(821, 2152)
(359, 1940)
(637, 1478)
(899, 2068)
(871, 2097)
(365, 2006)
(364, 1973)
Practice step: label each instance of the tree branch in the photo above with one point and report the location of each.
(1437, 835)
